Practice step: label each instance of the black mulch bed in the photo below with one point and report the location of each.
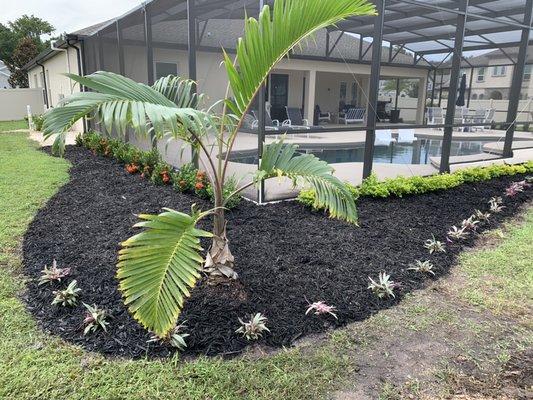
(286, 255)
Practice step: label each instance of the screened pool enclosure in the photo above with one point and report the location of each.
(407, 91)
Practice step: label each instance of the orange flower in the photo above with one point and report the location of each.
(199, 186)
(166, 177)
(200, 175)
(132, 168)
(182, 183)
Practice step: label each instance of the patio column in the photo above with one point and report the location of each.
(516, 85)
(374, 88)
(311, 99)
(261, 117)
(454, 84)
(149, 55)
(191, 47)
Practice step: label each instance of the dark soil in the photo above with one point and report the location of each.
(286, 256)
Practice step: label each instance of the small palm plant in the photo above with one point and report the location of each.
(158, 266)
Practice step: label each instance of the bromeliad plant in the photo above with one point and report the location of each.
(320, 308)
(53, 274)
(176, 337)
(67, 297)
(425, 267)
(95, 319)
(157, 267)
(254, 328)
(434, 246)
(384, 287)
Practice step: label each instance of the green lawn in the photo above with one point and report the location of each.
(13, 125)
(34, 365)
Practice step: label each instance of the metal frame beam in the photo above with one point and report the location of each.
(516, 85)
(261, 119)
(454, 84)
(374, 88)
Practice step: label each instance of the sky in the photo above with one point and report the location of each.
(66, 15)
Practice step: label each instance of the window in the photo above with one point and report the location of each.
(499, 70)
(35, 81)
(163, 69)
(481, 96)
(527, 73)
(474, 96)
(481, 74)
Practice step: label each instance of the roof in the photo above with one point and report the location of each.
(425, 27)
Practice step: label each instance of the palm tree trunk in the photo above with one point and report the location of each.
(219, 260)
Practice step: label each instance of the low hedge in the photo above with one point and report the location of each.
(150, 165)
(403, 186)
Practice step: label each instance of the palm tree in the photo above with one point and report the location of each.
(158, 266)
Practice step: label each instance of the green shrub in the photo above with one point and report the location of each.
(38, 121)
(185, 178)
(161, 174)
(402, 186)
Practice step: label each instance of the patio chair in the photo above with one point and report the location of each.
(489, 118)
(353, 116)
(295, 119)
(435, 116)
(383, 138)
(478, 118)
(461, 115)
(406, 136)
(322, 116)
(270, 124)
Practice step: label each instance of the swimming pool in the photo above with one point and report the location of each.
(417, 152)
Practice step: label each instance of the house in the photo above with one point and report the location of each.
(4, 76)
(306, 79)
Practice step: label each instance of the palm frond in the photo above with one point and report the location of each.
(119, 102)
(180, 91)
(267, 40)
(279, 159)
(158, 266)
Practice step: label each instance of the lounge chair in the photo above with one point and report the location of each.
(406, 136)
(295, 119)
(435, 116)
(383, 137)
(322, 116)
(270, 124)
(353, 116)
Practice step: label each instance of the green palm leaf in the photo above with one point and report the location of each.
(158, 266)
(279, 160)
(267, 40)
(119, 102)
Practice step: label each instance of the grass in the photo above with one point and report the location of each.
(500, 279)
(6, 126)
(36, 365)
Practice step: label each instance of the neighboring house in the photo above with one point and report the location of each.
(304, 80)
(4, 76)
(493, 74)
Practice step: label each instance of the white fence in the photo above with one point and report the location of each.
(14, 102)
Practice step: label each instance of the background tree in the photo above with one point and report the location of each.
(29, 26)
(8, 42)
(20, 41)
(25, 51)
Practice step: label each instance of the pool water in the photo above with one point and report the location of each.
(417, 152)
